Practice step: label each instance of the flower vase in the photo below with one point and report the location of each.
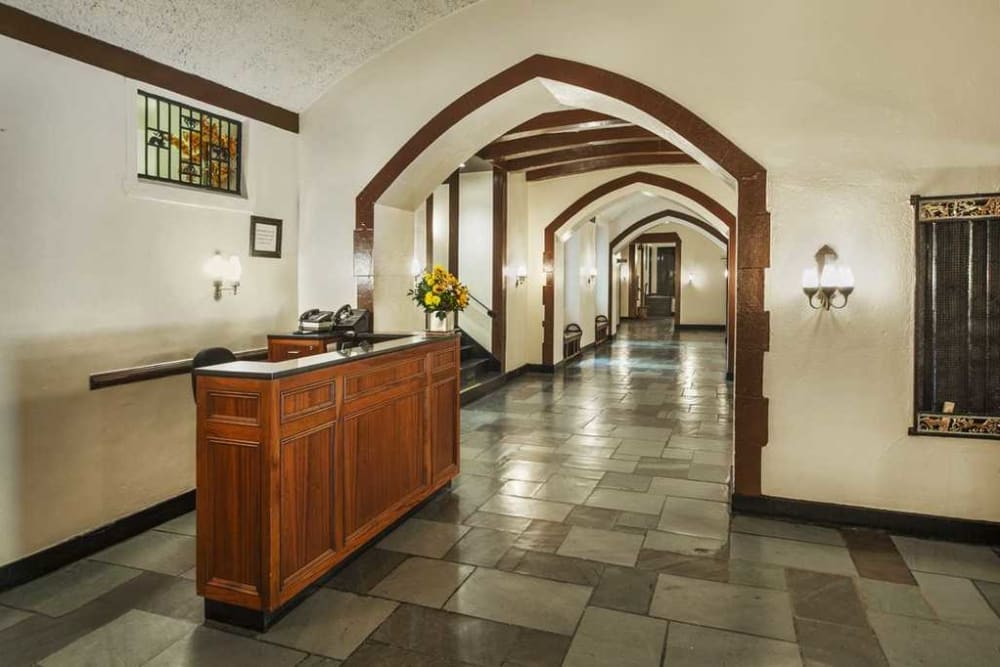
(438, 325)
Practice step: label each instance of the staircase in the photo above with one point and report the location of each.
(480, 370)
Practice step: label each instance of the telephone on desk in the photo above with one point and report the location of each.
(346, 319)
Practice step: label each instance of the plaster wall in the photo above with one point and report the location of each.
(850, 126)
(101, 272)
(475, 256)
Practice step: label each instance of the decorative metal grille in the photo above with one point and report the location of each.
(958, 315)
(182, 144)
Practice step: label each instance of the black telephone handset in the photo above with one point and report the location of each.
(316, 315)
(343, 312)
(309, 313)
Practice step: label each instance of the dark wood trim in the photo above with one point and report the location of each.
(612, 162)
(668, 237)
(567, 118)
(748, 263)
(31, 29)
(82, 546)
(161, 370)
(454, 183)
(429, 232)
(699, 327)
(653, 146)
(499, 296)
(899, 523)
(542, 142)
(670, 213)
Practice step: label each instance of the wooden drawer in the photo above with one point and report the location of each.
(282, 349)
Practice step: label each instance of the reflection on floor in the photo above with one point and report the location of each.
(589, 527)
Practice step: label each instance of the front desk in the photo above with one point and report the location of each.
(302, 462)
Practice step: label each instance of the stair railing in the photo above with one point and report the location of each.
(489, 311)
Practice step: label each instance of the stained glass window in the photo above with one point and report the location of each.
(179, 143)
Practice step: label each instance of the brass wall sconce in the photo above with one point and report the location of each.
(222, 271)
(826, 282)
(591, 276)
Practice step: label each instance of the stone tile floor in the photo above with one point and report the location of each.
(589, 526)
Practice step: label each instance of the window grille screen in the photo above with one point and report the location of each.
(958, 319)
(182, 144)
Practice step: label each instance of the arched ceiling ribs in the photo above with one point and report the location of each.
(666, 214)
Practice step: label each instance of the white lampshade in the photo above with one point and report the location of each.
(216, 267)
(830, 276)
(234, 270)
(810, 279)
(522, 271)
(414, 267)
(846, 278)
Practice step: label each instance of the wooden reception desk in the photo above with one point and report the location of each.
(303, 462)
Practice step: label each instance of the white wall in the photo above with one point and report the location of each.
(394, 252)
(843, 152)
(95, 278)
(524, 302)
(578, 291)
(475, 255)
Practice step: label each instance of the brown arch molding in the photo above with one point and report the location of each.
(646, 178)
(700, 224)
(752, 231)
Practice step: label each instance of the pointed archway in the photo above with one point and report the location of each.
(750, 234)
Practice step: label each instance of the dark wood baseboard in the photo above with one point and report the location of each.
(477, 392)
(81, 546)
(699, 327)
(900, 523)
(160, 370)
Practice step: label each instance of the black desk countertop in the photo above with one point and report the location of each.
(362, 347)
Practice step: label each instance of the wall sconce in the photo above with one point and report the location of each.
(222, 271)
(522, 275)
(623, 270)
(591, 276)
(415, 269)
(690, 279)
(827, 280)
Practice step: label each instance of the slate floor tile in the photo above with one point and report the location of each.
(747, 609)
(206, 646)
(683, 544)
(373, 654)
(687, 488)
(167, 553)
(625, 482)
(699, 518)
(542, 536)
(705, 472)
(624, 589)
(566, 489)
(838, 645)
(605, 546)
(366, 570)
(626, 501)
(792, 553)
(560, 568)
(424, 538)
(956, 600)
(521, 600)
(528, 508)
(694, 646)
(537, 649)
(825, 597)
(186, 524)
(890, 598)
(463, 639)
(593, 517)
(510, 524)
(958, 560)
(330, 623)
(786, 529)
(916, 641)
(10, 617)
(423, 581)
(131, 639)
(990, 591)
(482, 546)
(609, 637)
(875, 556)
(68, 589)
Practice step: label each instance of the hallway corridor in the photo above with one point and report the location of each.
(590, 526)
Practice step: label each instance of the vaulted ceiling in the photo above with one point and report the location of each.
(287, 52)
(575, 141)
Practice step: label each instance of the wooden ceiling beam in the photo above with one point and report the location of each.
(547, 121)
(587, 151)
(595, 164)
(541, 142)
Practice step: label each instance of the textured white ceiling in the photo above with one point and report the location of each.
(287, 52)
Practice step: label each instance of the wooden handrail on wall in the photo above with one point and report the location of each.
(159, 370)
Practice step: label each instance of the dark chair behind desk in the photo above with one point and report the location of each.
(209, 357)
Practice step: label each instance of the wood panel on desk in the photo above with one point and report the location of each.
(384, 451)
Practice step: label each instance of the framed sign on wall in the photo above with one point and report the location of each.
(265, 237)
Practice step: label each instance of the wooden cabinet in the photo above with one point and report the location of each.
(296, 473)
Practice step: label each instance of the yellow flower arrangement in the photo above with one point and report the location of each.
(438, 291)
